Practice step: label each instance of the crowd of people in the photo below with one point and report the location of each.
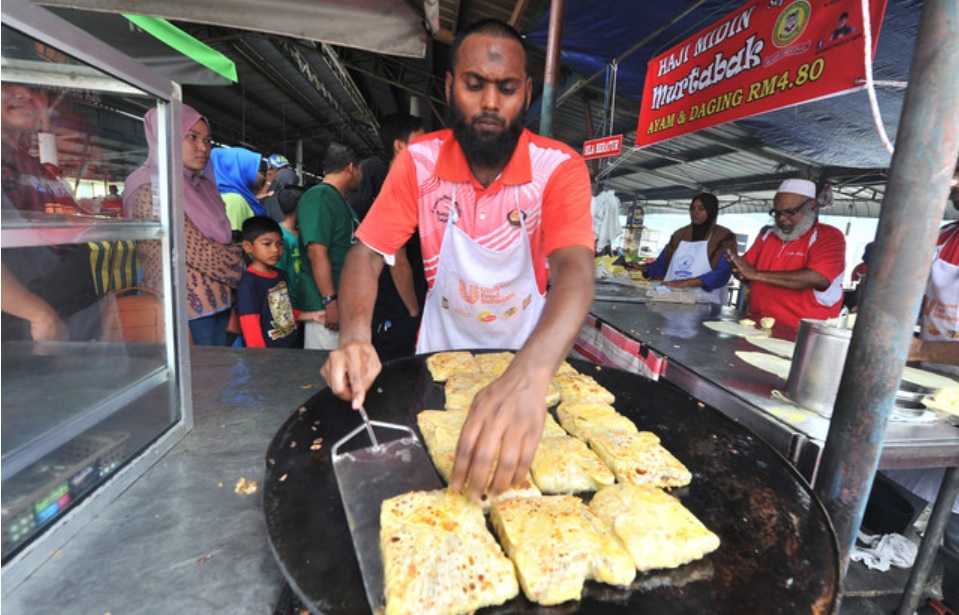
(448, 240)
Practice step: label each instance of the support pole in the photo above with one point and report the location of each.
(935, 528)
(916, 195)
(554, 41)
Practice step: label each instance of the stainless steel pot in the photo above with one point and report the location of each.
(816, 368)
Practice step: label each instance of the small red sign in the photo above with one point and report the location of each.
(600, 148)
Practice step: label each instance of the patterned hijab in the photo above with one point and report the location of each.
(201, 199)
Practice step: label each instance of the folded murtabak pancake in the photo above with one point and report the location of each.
(565, 464)
(493, 364)
(557, 544)
(658, 531)
(439, 557)
(584, 419)
(442, 365)
(580, 387)
(441, 432)
(551, 428)
(640, 459)
(462, 387)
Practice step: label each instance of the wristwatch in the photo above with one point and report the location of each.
(327, 299)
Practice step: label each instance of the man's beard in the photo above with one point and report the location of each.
(808, 219)
(484, 149)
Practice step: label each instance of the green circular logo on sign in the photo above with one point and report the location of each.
(791, 23)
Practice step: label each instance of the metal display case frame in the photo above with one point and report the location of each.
(171, 375)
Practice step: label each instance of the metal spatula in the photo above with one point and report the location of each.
(366, 477)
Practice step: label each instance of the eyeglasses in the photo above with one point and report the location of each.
(789, 213)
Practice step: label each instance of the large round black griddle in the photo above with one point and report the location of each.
(778, 554)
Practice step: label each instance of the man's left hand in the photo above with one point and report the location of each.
(503, 429)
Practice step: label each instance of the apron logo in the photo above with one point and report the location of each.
(486, 317)
(445, 303)
(442, 208)
(526, 301)
(510, 312)
(513, 217)
(486, 295)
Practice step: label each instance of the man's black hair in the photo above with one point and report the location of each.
(289, 198)
(338, 157)
(259, 225)
(844, 15)
(489, 27)
(398, 126)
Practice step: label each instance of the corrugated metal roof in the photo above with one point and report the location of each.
(291, 90)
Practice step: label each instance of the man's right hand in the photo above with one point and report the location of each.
(350, 371)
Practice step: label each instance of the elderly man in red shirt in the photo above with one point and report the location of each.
(795, 267)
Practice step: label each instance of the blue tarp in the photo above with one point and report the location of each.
(839, 131)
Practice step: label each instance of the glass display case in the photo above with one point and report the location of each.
(95, 365)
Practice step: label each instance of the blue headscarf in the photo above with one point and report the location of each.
(236, 169)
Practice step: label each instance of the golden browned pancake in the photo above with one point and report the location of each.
(442, 365)
(439, 557)
(658, 531)
(493, 364)
(580, 387)
(583, 419)
(461, 388)
(441, 432)
(565, 464)
(557, 544)
(640, 459)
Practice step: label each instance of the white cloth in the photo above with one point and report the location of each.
(882, 552)
(606, 224)
(480, 298)
(317, 337)
(691, 260)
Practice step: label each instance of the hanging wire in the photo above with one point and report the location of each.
(870, 84)
(609, 114)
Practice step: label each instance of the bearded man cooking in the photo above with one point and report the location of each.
(494, 204)
(795, 267)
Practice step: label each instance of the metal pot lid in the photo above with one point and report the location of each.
(779, 552)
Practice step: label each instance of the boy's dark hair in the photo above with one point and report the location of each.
(490, 27)
(259, 225)
(338, 157)
(289, 197)
(398, 126)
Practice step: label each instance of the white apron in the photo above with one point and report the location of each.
(480, 298)
(940, 312)
(691, 260)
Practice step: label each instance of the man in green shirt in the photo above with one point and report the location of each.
(327, 223)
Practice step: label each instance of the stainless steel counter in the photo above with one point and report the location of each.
(704, 363)
(180, 540)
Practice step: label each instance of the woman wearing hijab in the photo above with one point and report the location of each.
(237, 176)
(213, 262)
(696, 254)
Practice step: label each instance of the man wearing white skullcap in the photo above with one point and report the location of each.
(795, 267)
